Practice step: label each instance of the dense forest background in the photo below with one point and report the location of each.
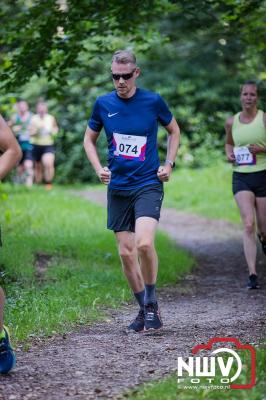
(195, 53)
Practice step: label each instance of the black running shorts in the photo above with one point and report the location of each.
(125, 206)
(39, 150)
(254, 182)
(26, 155)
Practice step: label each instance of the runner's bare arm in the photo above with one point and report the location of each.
(173, 139)
(173, 130)
(33, 129)
(255, 148)
(55, 127)
(13, 125)
(90, 140)
(10, 148)
(229, 143)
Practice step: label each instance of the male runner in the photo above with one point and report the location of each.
(11, 155)
(134, 176)
(19, 123)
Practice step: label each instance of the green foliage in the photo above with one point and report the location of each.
(56, 36)
(195, 54)
(199, 70)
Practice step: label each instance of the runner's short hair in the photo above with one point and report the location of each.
(250, 82)
(41, 100)
(124, 57)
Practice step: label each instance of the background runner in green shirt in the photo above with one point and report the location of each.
(246, 149)
(19, 123)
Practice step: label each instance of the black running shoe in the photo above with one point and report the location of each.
(263, 243)
(253, 282)
(138, 324)
(152, 317)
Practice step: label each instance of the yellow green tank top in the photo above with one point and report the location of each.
(43, 129)
(252, 133)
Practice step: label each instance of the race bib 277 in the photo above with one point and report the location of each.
(243, 156)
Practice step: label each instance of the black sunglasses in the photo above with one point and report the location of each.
(126, 77)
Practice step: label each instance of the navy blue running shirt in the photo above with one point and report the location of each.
(131, 127)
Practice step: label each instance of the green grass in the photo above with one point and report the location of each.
(205, 191)
(84, 273)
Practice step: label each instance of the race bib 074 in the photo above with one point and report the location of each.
(131, 147)
(244, 156)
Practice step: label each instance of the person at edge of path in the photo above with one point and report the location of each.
(19, 122)
(130, 117)
(43, 128)
(246, 148)
(11, 155)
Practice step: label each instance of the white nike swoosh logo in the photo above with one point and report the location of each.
(111, 115)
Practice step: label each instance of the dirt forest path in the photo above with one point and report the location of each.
(102, 361)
